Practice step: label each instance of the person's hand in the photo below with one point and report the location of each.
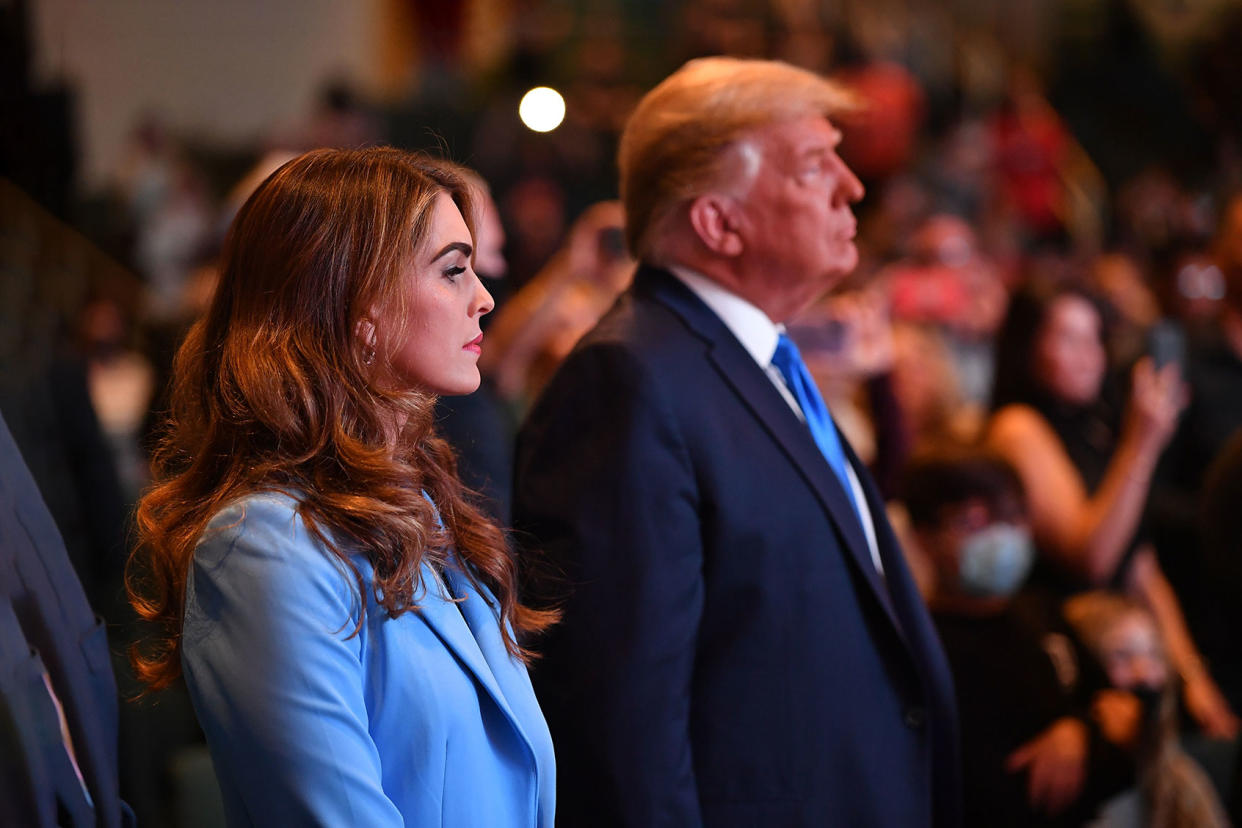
(1055, 761)
(1208, 707)
(867, 348)
(1156, 401)
(1119, 715)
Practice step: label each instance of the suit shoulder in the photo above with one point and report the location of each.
(643, 334)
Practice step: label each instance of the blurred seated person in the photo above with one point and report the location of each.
(1140, 713)
(1087, 469)
(1030, 753)
(538, 326)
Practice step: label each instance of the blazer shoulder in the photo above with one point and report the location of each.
(263, 541)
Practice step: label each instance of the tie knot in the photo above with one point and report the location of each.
(786, 355)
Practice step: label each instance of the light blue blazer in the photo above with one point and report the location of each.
(423, 719)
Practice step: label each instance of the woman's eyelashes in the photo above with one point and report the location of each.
(451, 273)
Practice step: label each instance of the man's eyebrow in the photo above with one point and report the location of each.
(450, 247)
(824, 148)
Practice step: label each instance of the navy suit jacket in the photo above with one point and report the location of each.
(729, 654)
(47, 629)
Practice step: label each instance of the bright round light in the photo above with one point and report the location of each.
(542, 109)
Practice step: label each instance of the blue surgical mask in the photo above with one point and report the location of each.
(993, 562)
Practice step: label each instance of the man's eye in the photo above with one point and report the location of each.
(811, 173)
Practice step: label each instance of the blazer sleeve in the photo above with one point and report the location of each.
(277, 676)
(606, 490)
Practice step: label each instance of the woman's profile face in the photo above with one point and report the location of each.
(440, 341)
(1069, 352)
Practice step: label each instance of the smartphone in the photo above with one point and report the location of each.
(825, 336)
(1166, 343)
(611, 243)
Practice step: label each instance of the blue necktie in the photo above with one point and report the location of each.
(798, 379)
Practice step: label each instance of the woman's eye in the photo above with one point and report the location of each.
(453, 272)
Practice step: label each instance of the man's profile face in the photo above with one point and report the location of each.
(798, 227)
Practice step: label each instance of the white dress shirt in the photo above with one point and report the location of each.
(758, 335)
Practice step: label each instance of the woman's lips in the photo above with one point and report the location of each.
(475, 345)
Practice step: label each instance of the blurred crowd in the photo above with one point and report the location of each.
(1040, 356)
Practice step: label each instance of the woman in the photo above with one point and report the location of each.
(346, 619)
(1086, 471)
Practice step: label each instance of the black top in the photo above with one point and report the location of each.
(1089, 436)
(1194, 515)
(1009, 690)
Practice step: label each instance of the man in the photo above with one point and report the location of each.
(58, 705)
(742, 643)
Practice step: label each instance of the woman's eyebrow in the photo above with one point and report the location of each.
(452, 246)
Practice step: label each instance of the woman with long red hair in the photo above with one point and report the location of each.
(345, 617)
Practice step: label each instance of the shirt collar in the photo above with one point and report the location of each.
(751, 326)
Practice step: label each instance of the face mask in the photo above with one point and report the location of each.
(993, 562)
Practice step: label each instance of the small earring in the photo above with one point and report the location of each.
(368, 355)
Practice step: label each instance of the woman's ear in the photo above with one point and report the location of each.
(367, 336)
(714, 218)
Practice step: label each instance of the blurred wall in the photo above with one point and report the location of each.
(227, 70)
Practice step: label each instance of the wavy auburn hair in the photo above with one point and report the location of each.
(275, 390)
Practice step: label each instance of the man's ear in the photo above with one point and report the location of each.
(714, 218)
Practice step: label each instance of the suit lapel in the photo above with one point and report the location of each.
(755, 390)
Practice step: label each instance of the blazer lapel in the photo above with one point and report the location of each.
(469, 639)
(756, 391)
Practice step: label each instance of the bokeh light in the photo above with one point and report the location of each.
(542, 109)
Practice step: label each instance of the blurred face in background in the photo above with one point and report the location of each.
(489, 236)
(1132, 653)
(1198, 288)
(1069, 354)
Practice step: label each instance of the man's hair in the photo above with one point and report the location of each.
(675, 144)
(946, 476)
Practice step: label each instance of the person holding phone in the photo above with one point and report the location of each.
(1086, 470)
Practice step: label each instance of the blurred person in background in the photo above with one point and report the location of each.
(742, 641)
(1087, 466)
(58, 700)
(1219, 521)
(1031, 753)
(545, 318)
(929, 389)
(1139, 713)
(345, 619)
(947, 282)
(846, 340)
(1190, 286)
(1213, 365)
(1117, 278)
